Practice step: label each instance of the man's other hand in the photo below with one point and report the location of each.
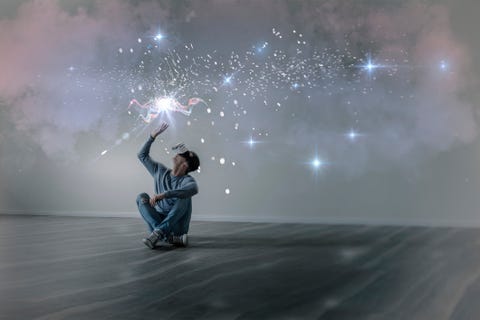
(159, 130)
(155, 198)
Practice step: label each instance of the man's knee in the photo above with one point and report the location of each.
(181, 204)
(180, 207)
(143, 198)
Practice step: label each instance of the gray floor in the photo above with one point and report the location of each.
(97, 268)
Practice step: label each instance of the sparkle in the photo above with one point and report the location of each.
(227, 191)
(370, 66)
(158, 37)
(352, 135)
(227, 80)
(316, 163)
(251, 142)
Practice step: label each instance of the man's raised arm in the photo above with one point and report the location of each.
(144, 153)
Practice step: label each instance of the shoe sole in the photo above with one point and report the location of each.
(184, 240)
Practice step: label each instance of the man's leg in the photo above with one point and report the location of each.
(175, 220)
(152, 217)
(184, 223)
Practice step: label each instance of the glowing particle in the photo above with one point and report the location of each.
(222, 161)
(188, 123)
(103, 152)
(227, 191)
(120, 50)
(131, 50)
(233, 163)
(213, 158)
(139, 40)
(222, 114)
(235, 102)
(209, 110)
(202, 140)
(443, 65)
(158, 37)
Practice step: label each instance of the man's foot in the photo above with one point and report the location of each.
(181, 241)
(153, 238)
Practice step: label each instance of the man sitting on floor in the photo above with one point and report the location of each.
(167, 213)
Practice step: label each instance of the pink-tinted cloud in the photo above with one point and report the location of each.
(37, 48)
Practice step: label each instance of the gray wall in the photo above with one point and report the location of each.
(66, 86)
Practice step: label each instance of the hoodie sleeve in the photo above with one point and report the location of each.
(187, 189)
(144, 157)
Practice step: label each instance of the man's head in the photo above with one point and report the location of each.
(184, 161)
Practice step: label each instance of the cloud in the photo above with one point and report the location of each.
(47, 56)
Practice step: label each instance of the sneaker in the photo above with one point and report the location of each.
(181, 241)
(153, 238)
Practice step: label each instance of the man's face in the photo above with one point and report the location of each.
(180, 165)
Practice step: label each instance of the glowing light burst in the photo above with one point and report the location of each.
(158, 37)
(164, 104)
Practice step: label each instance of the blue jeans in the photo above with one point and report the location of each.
(175, 222)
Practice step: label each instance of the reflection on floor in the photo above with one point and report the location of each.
(97, 268)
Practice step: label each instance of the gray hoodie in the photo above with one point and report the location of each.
(173, 187)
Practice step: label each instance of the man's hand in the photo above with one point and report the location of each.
(159, 130)
(155, 198)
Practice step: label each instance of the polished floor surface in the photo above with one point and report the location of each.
(98, 268)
